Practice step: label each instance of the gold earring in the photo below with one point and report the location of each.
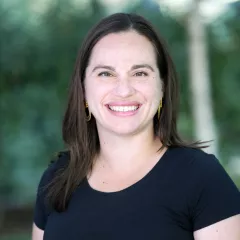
(159, 109)
(88, 118)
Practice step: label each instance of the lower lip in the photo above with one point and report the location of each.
(123, 114)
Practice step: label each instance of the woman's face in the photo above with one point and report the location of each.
(122, 83)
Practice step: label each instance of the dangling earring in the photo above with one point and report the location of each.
(88, 118)
(159, 109)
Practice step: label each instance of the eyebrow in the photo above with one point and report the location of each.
(134, 67)
(103, 66)
(142, 66)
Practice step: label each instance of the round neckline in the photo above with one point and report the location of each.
(158, 164)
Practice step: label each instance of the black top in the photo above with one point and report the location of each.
(185, 191)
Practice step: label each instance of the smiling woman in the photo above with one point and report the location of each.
(124, 86)
(127, 174)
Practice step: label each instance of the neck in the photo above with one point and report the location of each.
(123, 153)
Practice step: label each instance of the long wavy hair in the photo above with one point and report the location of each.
(80, 136)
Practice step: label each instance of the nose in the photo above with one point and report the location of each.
(124, 88)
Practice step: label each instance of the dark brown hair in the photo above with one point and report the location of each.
(80, 136)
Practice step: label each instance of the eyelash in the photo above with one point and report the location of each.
(107, 74)
(144, 74)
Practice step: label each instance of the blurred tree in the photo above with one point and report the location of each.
(224, 40)
(36, 64)
(200, 83)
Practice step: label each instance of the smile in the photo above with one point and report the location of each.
(123, 108)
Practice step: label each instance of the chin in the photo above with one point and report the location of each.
(125, 130)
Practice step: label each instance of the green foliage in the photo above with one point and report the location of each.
(224, 51)
(36, 66)
(16, 237)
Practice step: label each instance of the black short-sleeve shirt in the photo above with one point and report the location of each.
(185, 191)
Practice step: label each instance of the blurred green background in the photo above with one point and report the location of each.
(39, 41)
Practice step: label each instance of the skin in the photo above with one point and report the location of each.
(37, 233)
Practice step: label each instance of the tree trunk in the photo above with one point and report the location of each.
(199, 80)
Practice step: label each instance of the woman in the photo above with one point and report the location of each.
(128, 174)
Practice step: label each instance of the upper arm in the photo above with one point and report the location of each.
(37, 233)
(227, 229)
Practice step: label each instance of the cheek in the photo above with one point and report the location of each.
(90, 91)
(151, 90)
(95, 91)
(158, 89)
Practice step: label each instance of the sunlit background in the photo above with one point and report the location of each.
(39, 41)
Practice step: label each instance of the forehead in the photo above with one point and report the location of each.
(127, 46)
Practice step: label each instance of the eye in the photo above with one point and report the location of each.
(105, 74)
(141, 74)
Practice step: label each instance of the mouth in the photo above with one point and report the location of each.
(123, 108)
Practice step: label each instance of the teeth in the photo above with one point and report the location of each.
(123, 108)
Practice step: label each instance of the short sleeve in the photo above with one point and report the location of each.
(42, 209)
(215, 197)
